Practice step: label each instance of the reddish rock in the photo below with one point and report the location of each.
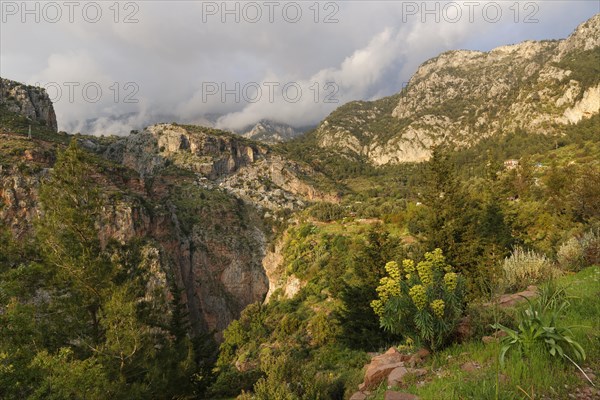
(389, 395)
(494, 338)
(381, 366)
(376, 373)
(418, 357)
(489, 339)
(358, 396)
(423, 353)
(396, 377)
(509, 300)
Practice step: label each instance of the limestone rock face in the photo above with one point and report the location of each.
(19, 196)
(29, 101)
(246, 169)
(461, 97)
(216, 260)
(271, 132)
(218, 255)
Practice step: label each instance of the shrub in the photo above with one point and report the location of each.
(327, 212)
(422, 302)
(526, 267)
(590, 245)
(570, 255)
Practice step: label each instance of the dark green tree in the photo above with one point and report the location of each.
(360, 325)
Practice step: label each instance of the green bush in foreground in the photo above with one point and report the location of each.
(422, 302)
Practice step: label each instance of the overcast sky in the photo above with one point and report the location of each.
(235, 63)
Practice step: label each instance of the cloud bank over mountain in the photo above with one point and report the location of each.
(112, 69)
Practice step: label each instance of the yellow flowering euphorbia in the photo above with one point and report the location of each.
(437, 306)
(418, 295)
(388, 286)
(450, 280)
(409, 267)
(421, 300)
(425, 272)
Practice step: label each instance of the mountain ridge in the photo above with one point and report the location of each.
(461, 96)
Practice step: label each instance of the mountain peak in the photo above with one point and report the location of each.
(461, 97)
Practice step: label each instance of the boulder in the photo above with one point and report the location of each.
(464, 329)
(376, 373)
(418, 357)
(396, 377)
(358, 396)
(381, 366)
(509, 300)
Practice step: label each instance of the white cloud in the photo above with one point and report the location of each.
(372, 49)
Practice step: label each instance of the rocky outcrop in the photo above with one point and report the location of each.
(511, 299)
(211, 153)
(393, 367)
(30, 101)
(206, 242)
(18, 200)
(271, 132)
(244, 168)
(201, 196)
(462, 96)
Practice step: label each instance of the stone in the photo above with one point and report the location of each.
(358, 396)
(396, 377)
(423, 353)
(391, 395)
(380, 366)
(418, 357)
(464, 330)
(489, 339)
(376, 373)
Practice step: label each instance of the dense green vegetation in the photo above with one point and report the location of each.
(79, 318)
(17, 123)
(465, 202)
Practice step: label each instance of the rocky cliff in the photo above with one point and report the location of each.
(203, 199)
(29, 101)
(462, 96)
(246, 169)
(271, 132)
(207, 241)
